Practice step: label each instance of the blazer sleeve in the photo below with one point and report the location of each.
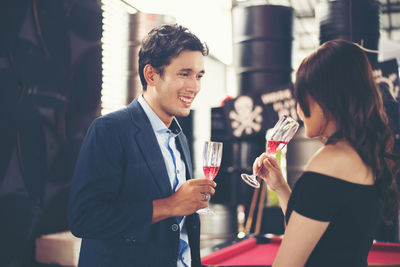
(96, 210)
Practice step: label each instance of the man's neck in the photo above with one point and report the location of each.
(148, 99)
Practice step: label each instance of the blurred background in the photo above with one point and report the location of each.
(65, 62)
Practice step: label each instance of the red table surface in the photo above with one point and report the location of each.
(248, 252)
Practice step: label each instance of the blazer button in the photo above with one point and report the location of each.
(175, 227)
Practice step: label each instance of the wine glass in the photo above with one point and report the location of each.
(277, 139)
(212, 155)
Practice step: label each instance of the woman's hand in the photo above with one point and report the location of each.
(267, 168)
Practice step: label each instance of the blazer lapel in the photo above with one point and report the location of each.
(184, 149)
(147, 142)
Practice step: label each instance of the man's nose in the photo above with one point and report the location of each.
(193, 84)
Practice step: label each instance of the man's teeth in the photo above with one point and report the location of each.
(186, 100)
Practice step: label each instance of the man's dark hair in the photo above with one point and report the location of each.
(164, 43)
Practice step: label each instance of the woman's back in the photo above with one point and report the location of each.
(338, 187)
(351, 210)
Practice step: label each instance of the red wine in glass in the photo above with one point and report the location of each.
(210, 171)
(274, 147)
(212, 155)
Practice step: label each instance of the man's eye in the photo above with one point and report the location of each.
(199, 76)
(184, 74)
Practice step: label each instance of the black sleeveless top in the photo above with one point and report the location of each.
(352, 210)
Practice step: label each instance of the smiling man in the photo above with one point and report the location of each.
(133, 198)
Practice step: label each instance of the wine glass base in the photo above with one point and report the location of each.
(250, 180)
(205, 211)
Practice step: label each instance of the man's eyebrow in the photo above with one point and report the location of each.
(189, 69)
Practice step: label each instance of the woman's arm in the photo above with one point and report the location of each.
(283, 196)
(301, 236)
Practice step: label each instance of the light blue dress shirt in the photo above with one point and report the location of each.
(175, 167)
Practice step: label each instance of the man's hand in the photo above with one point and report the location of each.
(190, 197)
(193, 195)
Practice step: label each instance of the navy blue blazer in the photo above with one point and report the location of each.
(119, 172)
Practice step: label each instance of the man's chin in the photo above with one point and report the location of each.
(183, 113)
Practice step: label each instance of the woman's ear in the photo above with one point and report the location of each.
(149, 74)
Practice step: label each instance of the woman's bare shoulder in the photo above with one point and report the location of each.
(321, 161)
(341, 161)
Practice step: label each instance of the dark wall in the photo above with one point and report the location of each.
(50, 81)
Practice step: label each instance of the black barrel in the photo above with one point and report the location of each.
(353, 20)
(262, 36)
(140, 24)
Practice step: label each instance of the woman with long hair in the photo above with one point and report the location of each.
(334, 208)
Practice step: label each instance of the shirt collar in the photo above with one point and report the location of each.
(156, 123)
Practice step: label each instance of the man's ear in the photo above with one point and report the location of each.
(149, 73)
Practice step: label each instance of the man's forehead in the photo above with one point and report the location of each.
(188, 61)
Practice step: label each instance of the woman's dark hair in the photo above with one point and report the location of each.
(164, 43)
(338, 76)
